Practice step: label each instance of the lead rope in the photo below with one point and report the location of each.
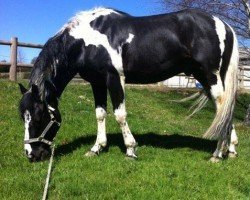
(46, 187)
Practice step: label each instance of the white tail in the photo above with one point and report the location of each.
(223, 118)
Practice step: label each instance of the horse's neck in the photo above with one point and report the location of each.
(60, 76)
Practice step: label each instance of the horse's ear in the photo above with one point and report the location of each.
(50, 94)
(22, 88)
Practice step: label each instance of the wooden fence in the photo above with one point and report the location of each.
(14, 44)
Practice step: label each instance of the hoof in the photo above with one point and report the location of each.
(232, 155)
(215, 160)
(131, 153)
(131, 157)
(91, 154)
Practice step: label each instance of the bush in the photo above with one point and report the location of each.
(4, 69)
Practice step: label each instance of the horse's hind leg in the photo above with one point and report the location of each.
(100, 96)
(216, 90)
(233, 141)
(226, 145)
(117, 93)
(220, 151)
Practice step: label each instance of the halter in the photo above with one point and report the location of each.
(45, 131)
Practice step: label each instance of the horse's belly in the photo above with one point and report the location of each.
(145, 78)
(153, 72)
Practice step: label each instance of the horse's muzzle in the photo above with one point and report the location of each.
(39, 155)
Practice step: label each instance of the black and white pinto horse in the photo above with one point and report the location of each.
(109, 48)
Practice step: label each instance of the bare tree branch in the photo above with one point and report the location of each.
(20, 56)
(235, 12)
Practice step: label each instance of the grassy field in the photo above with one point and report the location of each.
(173, 157)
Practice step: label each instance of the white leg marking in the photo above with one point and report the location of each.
(234, 138)
(120, 115)
(27, 119)
(129, 140)
(221, 32)
(222, 149)
(122, 80)
(80, 28)
(101, 140)
(218, 151)
(233, 142)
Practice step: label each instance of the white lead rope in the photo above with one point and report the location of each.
(46, 187)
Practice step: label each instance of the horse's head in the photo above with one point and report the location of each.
(42, 121)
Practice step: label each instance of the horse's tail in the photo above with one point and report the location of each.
(222, 122)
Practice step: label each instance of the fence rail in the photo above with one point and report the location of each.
(21, 44)
(13, 64)
(14, 44)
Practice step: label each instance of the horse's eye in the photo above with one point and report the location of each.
(37, 115)
(37, 118)
(38, 106)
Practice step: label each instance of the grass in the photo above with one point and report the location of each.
(173, 157)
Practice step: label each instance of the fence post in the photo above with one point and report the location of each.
(13, 59)
(241, 77)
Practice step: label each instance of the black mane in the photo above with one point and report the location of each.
(50, 58)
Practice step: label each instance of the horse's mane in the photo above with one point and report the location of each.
(45, 66)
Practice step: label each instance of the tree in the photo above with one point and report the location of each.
(4, 68)
(20, 56)
(234, 12)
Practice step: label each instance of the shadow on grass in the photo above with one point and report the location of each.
(149, 139)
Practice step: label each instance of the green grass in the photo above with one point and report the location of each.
(173, 157)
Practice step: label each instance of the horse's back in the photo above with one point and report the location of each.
(165, 45)
(151, 48)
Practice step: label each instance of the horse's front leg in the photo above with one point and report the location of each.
(100, 96)
(116, 89)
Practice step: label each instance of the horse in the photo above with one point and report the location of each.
(109, 48)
